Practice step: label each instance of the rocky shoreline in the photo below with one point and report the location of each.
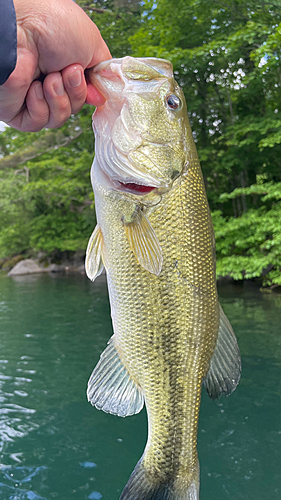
(20, 265)
(30, 266)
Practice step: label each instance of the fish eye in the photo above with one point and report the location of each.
(173, 101)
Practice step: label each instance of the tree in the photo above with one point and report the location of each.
(46, 198)
(226, 56)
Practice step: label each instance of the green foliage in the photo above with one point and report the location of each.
(249, 246)
(47, 203)
(117, 20)
(226, 57)
(15, 215)
(217, 49)
(46, 198)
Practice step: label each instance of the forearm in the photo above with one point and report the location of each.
(8, 39)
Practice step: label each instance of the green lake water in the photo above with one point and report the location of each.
(53, 444)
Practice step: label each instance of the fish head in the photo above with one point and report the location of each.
(140, 131)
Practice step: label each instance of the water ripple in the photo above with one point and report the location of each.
(18, 493)
(12, 428)
(15, 477)
(11, 408)
(20, 474)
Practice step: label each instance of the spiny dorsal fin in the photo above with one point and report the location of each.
(93, 262)
(144, 243)
(111, 387)
(225, 368)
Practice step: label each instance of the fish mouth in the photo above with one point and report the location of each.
(127, 186)
(134, 188)
(106, 77)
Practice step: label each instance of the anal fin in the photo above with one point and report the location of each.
(144, 242)
(111, 388)
(225, 367)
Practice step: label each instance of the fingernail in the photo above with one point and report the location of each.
(39, 91)
(75, 79)
(58, 87)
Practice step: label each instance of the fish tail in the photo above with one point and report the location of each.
(144, 486)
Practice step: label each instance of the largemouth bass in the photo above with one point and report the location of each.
(155, 238)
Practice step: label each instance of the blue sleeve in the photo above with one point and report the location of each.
(8, 39)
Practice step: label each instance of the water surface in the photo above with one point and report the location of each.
(53, 444)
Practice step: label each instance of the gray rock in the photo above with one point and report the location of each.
(27, 266)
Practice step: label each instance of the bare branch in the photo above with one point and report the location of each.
(24, 169)
(89, 7)
(94, 9)
(39, 148)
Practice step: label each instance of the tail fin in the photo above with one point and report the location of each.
(142, 487)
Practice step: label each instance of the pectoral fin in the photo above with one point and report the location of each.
(144, 243)
(93, 262)
(111, 387)
(225, 368)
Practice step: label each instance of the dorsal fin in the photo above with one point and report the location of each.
(111, 387)
(144, 243)
(225, 367)
(93, 262)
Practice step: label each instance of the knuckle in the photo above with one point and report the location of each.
(78, 94)
(63, 106)
(37, 124)
(38, 121)
(77, 98)
(16, 84)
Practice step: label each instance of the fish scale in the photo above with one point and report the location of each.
(158, 251)
(180, 314)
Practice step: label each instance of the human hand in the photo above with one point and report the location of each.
(57, 39)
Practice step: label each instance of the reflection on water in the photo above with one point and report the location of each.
(54, 445)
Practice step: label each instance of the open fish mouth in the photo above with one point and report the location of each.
(134, 188)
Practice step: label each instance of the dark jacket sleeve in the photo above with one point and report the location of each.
(8, 39)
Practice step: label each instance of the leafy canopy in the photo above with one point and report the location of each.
(226, 56)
